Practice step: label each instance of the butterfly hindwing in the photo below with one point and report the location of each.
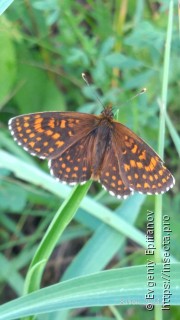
(110, 176)
(75, 164)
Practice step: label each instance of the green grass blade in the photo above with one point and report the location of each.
(104, 243)
(124, 286)
(163, 107)
(4, 4)
(174, 135)
(9, 268)
(62, 218)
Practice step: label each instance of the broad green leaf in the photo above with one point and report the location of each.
(124, 286)
(38, 92)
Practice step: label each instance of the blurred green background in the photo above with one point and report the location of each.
(44, 48)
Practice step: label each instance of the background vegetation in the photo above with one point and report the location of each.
(45, 46)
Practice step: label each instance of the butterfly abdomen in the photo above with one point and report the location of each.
(103, 139)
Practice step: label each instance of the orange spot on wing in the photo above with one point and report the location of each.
(56, 136)
(126, 167)
(134, 150)
(63, 124)
(151, 167)
(139, 165)
(31, 135)
(51, 123)
(113, 184)
(37, 124)
(153, 161)
(132, 163)
(146, 185)
(74, 175)
(143, 155)
(59, 143)
(31, 144)
(38, 120)
(49, 132)
(26, 118)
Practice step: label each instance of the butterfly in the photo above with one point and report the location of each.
(82, 146)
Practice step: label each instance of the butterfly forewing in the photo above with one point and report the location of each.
(141, 168)
(48, 134)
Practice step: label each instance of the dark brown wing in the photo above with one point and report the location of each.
(110, 176)
(75, 164)
(141, 168)
(49, 134)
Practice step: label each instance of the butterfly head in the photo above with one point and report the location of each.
(107, 113)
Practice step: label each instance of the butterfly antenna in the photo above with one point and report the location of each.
(143, 90)
(94, 92)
